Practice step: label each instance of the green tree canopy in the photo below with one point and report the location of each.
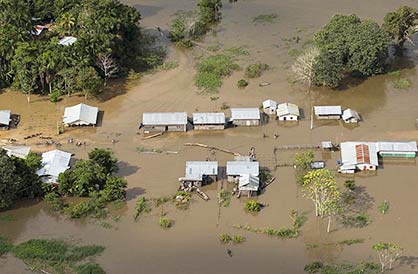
(401, 24)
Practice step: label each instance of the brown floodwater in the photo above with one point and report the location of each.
(192, 245)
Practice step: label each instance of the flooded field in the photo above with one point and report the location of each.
(192, 245)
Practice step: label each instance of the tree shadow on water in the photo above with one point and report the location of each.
(411, 261)
(126, 169)
(134, 192)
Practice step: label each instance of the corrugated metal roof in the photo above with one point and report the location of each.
(54, 163)
(351, 155)
(209, 118)
(5, 117)
(164, 118)
(67, 41)
(249, 182)
(242, 167)
(328, 110)
(196, 169)
(269, 104)
(397, 146)
(81, 112)
(17, 151)
(350, 113)
(245, 114)
(287, 109)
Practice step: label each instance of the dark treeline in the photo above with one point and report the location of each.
(109, 43)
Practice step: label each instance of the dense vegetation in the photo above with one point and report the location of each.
(18, 178)
(109, 43)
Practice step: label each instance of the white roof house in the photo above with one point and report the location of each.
(5, 117)
(397, 149)
(17, 151)
(245, 114)
(358, 155)
(269, 104)
(287, 109)
(350, 116)
(195, 170)
(209, 118)
(248, 182)
(164, 118)
(80, 114)
(234, 168)
(67, 41)
(327, 110)
(54, 163)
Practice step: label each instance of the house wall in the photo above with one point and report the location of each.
(397, 154)
(209, 127)
(328, 117)
(247, 193)
(246, 122)
(233, 178)
(364, 167)
(269, 111)
(153, 128)
(288, 118)
(351, 120)
(79, 123)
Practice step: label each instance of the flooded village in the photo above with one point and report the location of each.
(216, 151)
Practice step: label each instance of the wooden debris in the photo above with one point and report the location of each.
(202, 195)
(153, 136)
(265, 84)
(302, 146)
(212, 148)
(269, 182)
(32, 136)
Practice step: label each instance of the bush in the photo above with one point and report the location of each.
(402, 83)
(242, 83)
(165, 222)
(225, 198)
(255, 70)
(89, 268)
(141, 207)
(350, 185)
(314, 267)
(252, 206)
(360, 220)
(224, 238)
(53, 97)
(53, 202)
(237, 239)
(303, 160)
(5, 245)
(79, 210)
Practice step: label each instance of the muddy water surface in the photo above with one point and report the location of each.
(192, 245)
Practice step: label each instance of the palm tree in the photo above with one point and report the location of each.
(67, 22)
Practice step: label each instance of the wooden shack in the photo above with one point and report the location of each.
(209, 121)
(245, 116)
(164, 121)
(199, 173)
(350, 116)
(328, 112)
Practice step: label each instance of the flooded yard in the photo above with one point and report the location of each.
(192, 244)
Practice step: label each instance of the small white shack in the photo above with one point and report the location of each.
(17, 151)
(358, 156)
(209, 121)
(164, 121)
(67, 41)
(199, 173)
(245, 116)
(5, 118)
(350, 116)
(288, 112)
(269, 107)
(328, 112)
(248, 185)
(54, 163)
(80, 115)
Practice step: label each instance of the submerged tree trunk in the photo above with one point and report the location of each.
(329, 224)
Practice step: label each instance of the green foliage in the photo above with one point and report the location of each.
(242, 83)
(166, 223)
(342, 268)
(182, 199)
(351, 242)
(384, 207)
(265, 18)
(401, 24)
(252, 206)
(238, 51)
(402, 83)
(225, 198)
(89, 268)
(388, 253)
(5, 245)
(7, 218)
(314, 267)
(53, 202)
(54, 97)
(141, 207)
(360, 220)
(265, 175)
(224, 238)
(212, 70)
(236, 239)
(303, 160)
(160, 201)
(255, 70)
(209, 11)
(350, 185)
(114, 189)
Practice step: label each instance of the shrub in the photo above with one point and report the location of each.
(53, 97)
(402, 83)
(255, 70)
(314, 267)
(350, 185)
(242, 83)
(79, 210)
(5, 245)
(165, 222)
(237, 239)
(224, 238)
(141, 207)
(384, 207)
(360, 220)
(53, 202)
(252, 206)
(89, 268)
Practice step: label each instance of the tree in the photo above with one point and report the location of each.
(66, 22)
(303, 160)
(107, 65)
(88, 81)
(104, 158)
(33, 161)
(304, 66)
(387, 253)
(401, 24)
(329, 70)
(114, 189)
(209, 11)
(332, 208)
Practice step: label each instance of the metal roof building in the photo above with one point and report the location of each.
(80, 114)
(164, 118)
(245, 114)
(235, 168)
(54, 163)
(358, 155)
(327, 110)
(195, 170)
(350, 116)
(17, 151)
(397, 149)
(248, 182)
(287, 109)
(67, 41)
(209, 118)
(5, 117)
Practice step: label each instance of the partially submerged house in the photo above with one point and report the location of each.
(199, 173)
(80, 115)
(350, 116)
(5, 118)
(54, 163)
(288, 112)
(234, 169)
(17, 151)
(164, 121)
(328, 112)
(245, 116)
(269, 107)
(397, 149)
(67, 41)
(209, 121)
(38, 30)
(248, 185)
(358, 156)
